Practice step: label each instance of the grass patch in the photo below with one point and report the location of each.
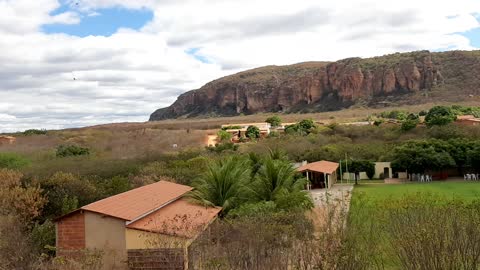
(451, 190)
(399, 225)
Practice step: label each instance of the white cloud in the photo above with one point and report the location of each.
(57, 80)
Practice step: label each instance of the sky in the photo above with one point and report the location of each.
(74, 63)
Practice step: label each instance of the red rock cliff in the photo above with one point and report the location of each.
(320, 86)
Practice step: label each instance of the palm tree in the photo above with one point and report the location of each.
(223, 184)
(276, 181)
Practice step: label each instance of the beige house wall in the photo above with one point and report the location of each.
(107, 234)
(137, 239)
(379, 166)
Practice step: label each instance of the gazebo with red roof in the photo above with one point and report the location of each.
(321, 174)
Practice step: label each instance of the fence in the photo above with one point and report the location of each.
(156, 259)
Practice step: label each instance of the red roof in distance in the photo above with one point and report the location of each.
(320, 166)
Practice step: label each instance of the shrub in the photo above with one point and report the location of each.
(378, 122)
(253, 132)
(409, 125)
(273, 134)
(16, 200)
(220, 147)
(439, 116)
(71, 150)
(65, 193)
(253, 209)
(30, 132)
(306, 125)
(231, 127)
(395, 114)
(43, 237)
(303, 127)
(224, 136)
(275, 121)
(12, 161)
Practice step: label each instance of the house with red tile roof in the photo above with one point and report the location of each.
(155, 217)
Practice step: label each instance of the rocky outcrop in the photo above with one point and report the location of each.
(320, 86)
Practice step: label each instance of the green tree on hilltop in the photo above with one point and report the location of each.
(275, 121)
(439, 116)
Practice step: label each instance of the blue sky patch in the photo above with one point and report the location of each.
(194, 52)
(474, 36)
(105, 23)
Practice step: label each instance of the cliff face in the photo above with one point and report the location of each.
(320, 86)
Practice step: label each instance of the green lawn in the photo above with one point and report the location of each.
(371, 208)
(458, 190)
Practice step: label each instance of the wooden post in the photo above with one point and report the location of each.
(308, 182)
(325, 179)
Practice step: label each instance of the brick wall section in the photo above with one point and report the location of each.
(71, 233)
(156, 259)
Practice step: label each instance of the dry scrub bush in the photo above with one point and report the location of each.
(23, 202)
(84, 260)
(19, 207)
(280, 241)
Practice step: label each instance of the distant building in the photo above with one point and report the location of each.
(383, 170)
(7, 140)
(320, 174)
(129, 227)
(467, 120)
(240, 130)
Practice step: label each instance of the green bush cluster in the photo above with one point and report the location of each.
(221, 147)
(440, 116)
(30, 132)
(417, 156)
(274, 121)
(231, 127)
(395, 114)
(13, 161)
(253, 132)
(71, 150)
(303, 127)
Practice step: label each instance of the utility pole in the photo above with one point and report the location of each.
(341, 173)
(346, 167)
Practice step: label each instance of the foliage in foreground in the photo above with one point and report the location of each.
(12, 161)
(237, 181)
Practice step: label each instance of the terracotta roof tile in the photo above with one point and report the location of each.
(320, 166)
(179, 218)
(133, 204)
